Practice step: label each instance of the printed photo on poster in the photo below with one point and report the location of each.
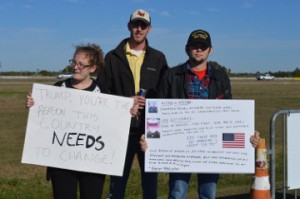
(152, 106)
(153, 125)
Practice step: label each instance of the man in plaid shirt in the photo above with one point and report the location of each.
(195, 79)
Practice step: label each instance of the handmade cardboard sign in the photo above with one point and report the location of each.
(77, 130)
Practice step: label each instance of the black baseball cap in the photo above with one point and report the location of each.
(199, 36)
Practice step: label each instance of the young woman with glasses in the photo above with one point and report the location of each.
(86, 60)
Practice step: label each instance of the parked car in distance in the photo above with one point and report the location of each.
(64, 76)
(265, 77)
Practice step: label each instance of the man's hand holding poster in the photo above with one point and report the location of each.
(199, 136)
(77, 130)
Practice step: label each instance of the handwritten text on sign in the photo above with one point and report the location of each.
(77, 130)
(199, 136)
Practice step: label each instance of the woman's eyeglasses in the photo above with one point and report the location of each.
(80, 66)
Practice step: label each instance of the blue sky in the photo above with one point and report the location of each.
(247, 36)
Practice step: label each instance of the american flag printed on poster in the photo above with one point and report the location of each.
(233, 140)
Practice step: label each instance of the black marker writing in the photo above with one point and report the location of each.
(78, 139)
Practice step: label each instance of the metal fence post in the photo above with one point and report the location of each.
(272, 148)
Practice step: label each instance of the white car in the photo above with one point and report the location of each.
(64, 76)
(265, 77)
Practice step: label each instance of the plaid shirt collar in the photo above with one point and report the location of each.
(196, 88)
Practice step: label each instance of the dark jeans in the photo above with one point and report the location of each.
(65, 182)
(149, 180)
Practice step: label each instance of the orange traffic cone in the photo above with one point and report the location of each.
(261, 185)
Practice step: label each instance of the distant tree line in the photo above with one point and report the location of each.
(295, 73)
(68, 69)
(29, 73)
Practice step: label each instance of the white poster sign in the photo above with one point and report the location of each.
(293, 148)
(77, 130)
(199, 136)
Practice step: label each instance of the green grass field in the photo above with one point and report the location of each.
(27, 181)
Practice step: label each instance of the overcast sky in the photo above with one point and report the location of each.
(247, 36)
